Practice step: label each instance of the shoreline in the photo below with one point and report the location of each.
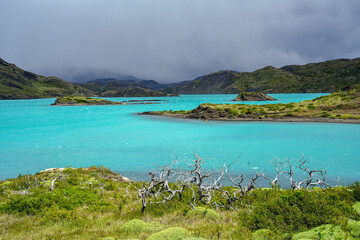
(292, 119)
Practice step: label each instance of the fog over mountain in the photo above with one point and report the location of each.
(169, 41)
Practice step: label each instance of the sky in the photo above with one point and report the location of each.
(175, 40)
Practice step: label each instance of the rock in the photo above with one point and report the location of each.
(253, 96)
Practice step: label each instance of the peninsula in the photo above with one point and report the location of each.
(341, 106)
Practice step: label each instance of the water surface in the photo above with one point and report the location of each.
(35, 136)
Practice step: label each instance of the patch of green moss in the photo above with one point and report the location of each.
(195, 238)
(327, 231)
(204, 212)
(6, 183)
(174, 233)
(357, 206)
(354, 227)
(264, 234)
(136, 226)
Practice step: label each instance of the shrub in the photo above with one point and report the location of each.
(311, 107)
(291, 211)
(355, 190)
(67, 198)
(325, 115)
(357, 207)
(232, 111)
(203, 212)
(354, 228)
(327, 231)
(136, 226)
(174, 233)
(264, 234)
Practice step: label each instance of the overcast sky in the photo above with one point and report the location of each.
(173, 40)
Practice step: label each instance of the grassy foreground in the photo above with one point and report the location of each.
(339, 106)
(96, 203)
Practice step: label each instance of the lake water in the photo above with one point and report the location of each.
(35, 136)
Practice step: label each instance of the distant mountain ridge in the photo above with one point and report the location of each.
(16, 83)
(79, 75)
(111, 87)
(150, 84)
(327, 76)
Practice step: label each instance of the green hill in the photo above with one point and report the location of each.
(328, 76)
(16, 83)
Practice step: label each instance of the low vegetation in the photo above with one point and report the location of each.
(341, 105)
(96, 203)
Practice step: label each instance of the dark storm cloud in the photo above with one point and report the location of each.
(175, 40)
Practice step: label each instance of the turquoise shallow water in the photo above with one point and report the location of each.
(35, 136)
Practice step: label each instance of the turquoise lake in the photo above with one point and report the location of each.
(35, 136)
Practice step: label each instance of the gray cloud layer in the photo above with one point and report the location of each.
(176, 40)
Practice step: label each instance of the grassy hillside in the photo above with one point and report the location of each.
(326, 76)
(96, 203)
(338, 106)
(16, 83)
(120, 89)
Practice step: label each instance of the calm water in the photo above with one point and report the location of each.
(35, 136)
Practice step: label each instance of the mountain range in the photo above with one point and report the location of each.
(327, 76)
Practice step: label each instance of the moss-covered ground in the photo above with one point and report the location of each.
(96, 203)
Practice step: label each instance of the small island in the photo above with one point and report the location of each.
(339, 107)
(75, 101)
(253, 96)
